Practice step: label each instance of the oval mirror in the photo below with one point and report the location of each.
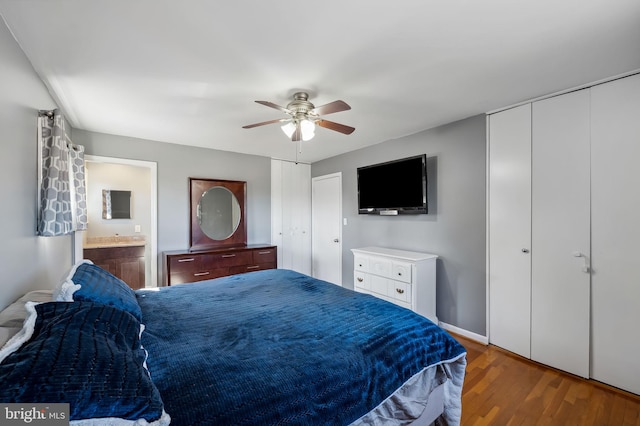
(218, 213)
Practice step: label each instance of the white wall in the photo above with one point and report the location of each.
(27, 262)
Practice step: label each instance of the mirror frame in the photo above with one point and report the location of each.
(198, 240)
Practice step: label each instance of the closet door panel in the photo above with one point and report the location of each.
(616, 233)
(300, 206)
(560, 229)
(276, 207)
(510, 229)
(291, 214)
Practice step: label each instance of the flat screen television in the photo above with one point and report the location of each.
(395, 187)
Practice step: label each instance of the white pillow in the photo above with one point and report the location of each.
(13, 316)
(7, 333)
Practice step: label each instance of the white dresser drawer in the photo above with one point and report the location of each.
(361, 280)
(361, 263)
(399, 291)
(378, 284)
(401, 271)
(380, 266)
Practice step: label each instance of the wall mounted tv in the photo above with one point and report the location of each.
(395, 187)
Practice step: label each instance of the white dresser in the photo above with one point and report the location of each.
(406, 278)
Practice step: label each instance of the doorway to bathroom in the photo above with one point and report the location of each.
(104, 175)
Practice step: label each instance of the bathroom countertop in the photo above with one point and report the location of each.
(115, 241)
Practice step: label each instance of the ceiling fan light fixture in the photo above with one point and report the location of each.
(304, 116)
(308, 129)
(288, 129)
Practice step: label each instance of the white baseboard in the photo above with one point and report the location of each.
(465, 333)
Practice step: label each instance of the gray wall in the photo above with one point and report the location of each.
(176, 163)
(27, 262)
(454, 229)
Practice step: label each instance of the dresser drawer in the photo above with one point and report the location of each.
(399, 291)
(250, 268)
(264, 256)
(361, 280)
(226, 259)
(361, 263)
(187, 263)
(380, 266)
(401, 271)
(192, 277)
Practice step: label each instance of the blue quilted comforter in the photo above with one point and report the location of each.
(279, 347)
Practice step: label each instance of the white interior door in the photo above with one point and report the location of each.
(615, 233)
(510, 229)
(326, 227)
(560, 246)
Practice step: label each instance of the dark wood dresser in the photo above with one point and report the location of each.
(185, 266)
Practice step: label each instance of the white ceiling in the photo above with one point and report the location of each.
(188, 71)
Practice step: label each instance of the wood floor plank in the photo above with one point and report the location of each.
(505, 389)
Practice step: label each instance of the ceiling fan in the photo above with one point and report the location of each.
(304, 116)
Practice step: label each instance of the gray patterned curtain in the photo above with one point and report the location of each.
(62, 189)
(79, 204)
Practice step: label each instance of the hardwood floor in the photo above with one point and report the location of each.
(504, 389)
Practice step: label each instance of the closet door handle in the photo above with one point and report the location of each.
(585, 267)
(525, 250)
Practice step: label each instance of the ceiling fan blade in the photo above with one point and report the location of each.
(279, 120)
(347, 130)
(297, 134)
(274, 106)
(330, 108)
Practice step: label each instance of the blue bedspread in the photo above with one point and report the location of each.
(279, 347)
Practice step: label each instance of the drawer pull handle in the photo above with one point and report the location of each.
(360, 279)
(399, 274)
(228, 255)
(200, 274)
(253, 267)
(191, 259)
(399, 290)
(265, 252)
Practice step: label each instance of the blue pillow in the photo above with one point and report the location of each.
(100, 286)
(88, 355)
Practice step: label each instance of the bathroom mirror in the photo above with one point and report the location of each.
(116, 204)
(217, 213)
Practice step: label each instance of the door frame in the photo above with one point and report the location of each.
(337, 175)
(153, 237)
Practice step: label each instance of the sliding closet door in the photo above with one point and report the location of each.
(510, 229)
(616, 233)
(560, 229)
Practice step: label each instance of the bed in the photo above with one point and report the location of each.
(266, 347)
